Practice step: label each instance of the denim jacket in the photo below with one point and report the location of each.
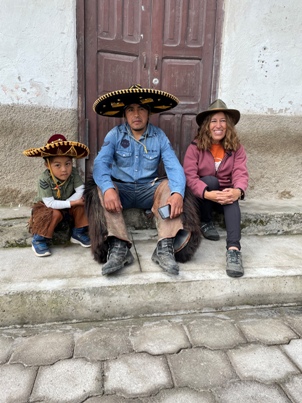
(128, 160)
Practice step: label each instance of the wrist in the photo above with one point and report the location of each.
(241, 194)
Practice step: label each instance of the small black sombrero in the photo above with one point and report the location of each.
(58, 146)
(218, 106)
(113, 103)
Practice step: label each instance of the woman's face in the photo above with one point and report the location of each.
(218, 127)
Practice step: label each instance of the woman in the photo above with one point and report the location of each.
(216, 172)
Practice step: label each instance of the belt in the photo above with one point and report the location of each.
(120, 181)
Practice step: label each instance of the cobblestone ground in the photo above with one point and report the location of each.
(237, 356)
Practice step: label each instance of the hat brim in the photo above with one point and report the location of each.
(71, 149)
(113, 104)
(234, 113)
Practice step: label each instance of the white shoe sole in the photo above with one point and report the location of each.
(39, 254)
(75, 241)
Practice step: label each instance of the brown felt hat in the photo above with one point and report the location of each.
(58, 146)
(113, 103)
(218, 106)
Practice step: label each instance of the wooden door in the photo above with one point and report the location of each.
(162, 44)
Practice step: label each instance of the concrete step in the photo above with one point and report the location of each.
(68, 285)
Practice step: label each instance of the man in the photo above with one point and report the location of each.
(126, 173)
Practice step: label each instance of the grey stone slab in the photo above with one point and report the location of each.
(261, 363)
(294, 351)
(268, 331)
(43, 349)
(161, 338)
(111, 399)
(200, 369)
(251, 392)
(136, 375)
(181, 395)
(68, 381)
(6, 344)
(296, 323)
(103, 343)
(16, 383)
(214, 333)
(293, 388)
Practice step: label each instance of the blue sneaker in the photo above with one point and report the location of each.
(40, 246)
(80, 236)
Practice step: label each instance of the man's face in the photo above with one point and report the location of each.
(137, 118)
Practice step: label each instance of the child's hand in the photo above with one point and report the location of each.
(79, 202)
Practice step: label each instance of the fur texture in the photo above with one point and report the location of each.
(97, 222)
(98, 230)
(191, 222)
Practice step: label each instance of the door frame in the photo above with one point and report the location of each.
(81, 29)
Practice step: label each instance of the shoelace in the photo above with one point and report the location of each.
(207, 226)
(234, 257)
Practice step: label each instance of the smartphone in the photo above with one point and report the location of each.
(164, 211)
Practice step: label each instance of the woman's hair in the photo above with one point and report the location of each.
(229, 142)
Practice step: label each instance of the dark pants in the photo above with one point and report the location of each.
(231, 212)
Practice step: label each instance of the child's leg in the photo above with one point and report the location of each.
(79, 216)
(79, 233)
(42, 225)
(57, 217)
(44, 220)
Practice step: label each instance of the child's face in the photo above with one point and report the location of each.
(61, 167)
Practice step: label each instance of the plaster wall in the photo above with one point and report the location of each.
(260, 75)
(38, 88)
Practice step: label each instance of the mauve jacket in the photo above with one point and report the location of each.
(232, 171)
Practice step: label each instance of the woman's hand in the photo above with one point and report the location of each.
(225, 196)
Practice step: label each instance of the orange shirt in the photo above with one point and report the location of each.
(218, 153)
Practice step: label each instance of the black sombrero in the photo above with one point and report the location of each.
(58, 146)
(113, 103)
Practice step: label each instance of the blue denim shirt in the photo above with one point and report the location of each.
(124, 158)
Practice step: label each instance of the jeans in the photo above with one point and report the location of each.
(137, 195)
(231, 212)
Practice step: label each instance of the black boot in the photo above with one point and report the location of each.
(164, 256)
(118, 255)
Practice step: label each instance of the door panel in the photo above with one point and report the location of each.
(162, 44)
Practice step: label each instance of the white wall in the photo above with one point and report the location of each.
(261, 56)
(38, 53)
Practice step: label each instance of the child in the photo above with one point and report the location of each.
(60, 191)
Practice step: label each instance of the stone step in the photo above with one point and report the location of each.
(257, 218)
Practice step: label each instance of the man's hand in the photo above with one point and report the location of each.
(176, 203)
(112, 201)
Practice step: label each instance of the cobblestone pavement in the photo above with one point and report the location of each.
(243, 355)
